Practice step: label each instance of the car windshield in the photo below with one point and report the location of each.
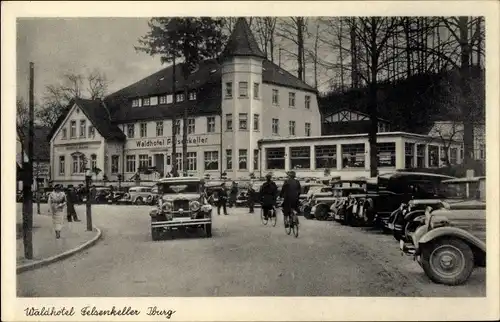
(179, 187)
(459, 190)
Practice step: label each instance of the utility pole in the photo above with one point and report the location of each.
(174, 121)
(28, 177)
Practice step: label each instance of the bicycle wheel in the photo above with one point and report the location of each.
(295, 227)
(263, 218)
(274, 218)
(288, 227)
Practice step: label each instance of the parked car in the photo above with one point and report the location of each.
(152, 199)
(181, 205)
(115, 196)
(450, 243)
(317, 203)
(102, 195)
(136, 195)
(341, 195)
(390, 191)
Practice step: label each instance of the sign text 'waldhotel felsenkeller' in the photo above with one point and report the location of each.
(164, 142)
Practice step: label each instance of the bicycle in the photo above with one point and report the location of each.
(291, 223)
(273, 217)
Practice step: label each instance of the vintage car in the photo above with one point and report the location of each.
(136, 195)
(393, 189)
(449, 244)
(318, 203)
(116, 195)
(152, 199)
(181, 205)
(341, 195)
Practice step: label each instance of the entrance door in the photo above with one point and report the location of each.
(160, 163)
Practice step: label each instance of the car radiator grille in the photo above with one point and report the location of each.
(184, 204)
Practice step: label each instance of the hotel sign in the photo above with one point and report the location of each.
(165, 142)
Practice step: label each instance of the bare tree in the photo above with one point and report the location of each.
(293, 29)
(265, 29)
(22, 121)
(97, 84)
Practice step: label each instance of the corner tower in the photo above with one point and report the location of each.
(242, 100)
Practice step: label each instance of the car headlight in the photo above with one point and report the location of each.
(194, 205)
(167, 206)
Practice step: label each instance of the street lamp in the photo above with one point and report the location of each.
(88, 179)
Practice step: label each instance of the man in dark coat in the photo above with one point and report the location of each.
(290, 194)
(268, 194)
(233, 194)
(71, 199)
(251, 197)
(222, 195)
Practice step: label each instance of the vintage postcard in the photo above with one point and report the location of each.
(250, 161)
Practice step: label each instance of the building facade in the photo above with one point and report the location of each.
(231, 103)
(348, 156)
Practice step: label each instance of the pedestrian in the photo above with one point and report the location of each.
(57, 201)
(251, 197)
(222, 196)
(93, 194)
(268, 194)
(72, 199)
(290, 193)
(233, 194)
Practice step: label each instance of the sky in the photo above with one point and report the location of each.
(59, 46)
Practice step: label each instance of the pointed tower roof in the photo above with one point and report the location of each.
(242, 42)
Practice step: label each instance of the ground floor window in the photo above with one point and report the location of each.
(300, 157)
(229, 159)
(421, 156)
(178, 161)
(93, 161)
(409, 155)
(143, 161)
(326, 156)
(211, 160)
(191, 159)
(115, 163)
(275, 158)
(256, 160)
(433, 154)
(78, 163)
(386, 154)
(62, 165)
(353, 155)
(130, 164)
(242, 159)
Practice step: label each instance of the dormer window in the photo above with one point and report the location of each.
(146, 101)
(136, 102)
(153, 100)
(170, 98)
(179, 98)
(163, 99)
(192, 96)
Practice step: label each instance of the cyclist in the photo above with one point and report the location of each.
(290, 194)
(268, 193)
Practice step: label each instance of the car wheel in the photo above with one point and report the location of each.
(307, 213)
(341, 213)
(448, 261)
(321, 213)
(208, 230)
(155, 234)
(138, 201)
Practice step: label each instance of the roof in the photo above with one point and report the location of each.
(179, 179)
(423, 174)
(242, 42)
(465, 180)
(96, 111)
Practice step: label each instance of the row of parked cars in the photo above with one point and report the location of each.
(438, 220)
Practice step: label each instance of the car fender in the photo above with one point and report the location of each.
(413, 214)
(453, 232)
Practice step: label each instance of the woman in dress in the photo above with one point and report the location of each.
(57, 201)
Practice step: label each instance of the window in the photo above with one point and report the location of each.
(130, 164)
(256, 159)
(256, 90)
(144, 130)
(409, 155)
(243, 120)
(177, 127)
(482, 151)
(163, 99)
(242, 159)
(62, 165)
(229, 159)
(93, 161)
(115, 163)
(146, 101)
(178, 160)
(307, 102)
(276, 97)
(433, 152)
(421, 156)
(179, 97)
(291, 127)
(353, 155)
(192, 96)
(300, 157)
(168, 159)
(307, 129)
(154, 100)
(130, 130)
(211, 160)
(78, 163)
(191, 160)
(229, 122)
(143, 161)
(256, 121)
(453, 156)
(91, 131)
(386, 154)
(136, 102)
(243, 89)
(229, 90)
(191, 126)
(291, 99)
(275, 158)
(64, 134)
(170, 98)
(72, 131)
(276, 126)
(326, 156)
(210, 124)
(83, 128)
(159, 128)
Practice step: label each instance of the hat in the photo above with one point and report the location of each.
(291, 174)
(269, 175)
